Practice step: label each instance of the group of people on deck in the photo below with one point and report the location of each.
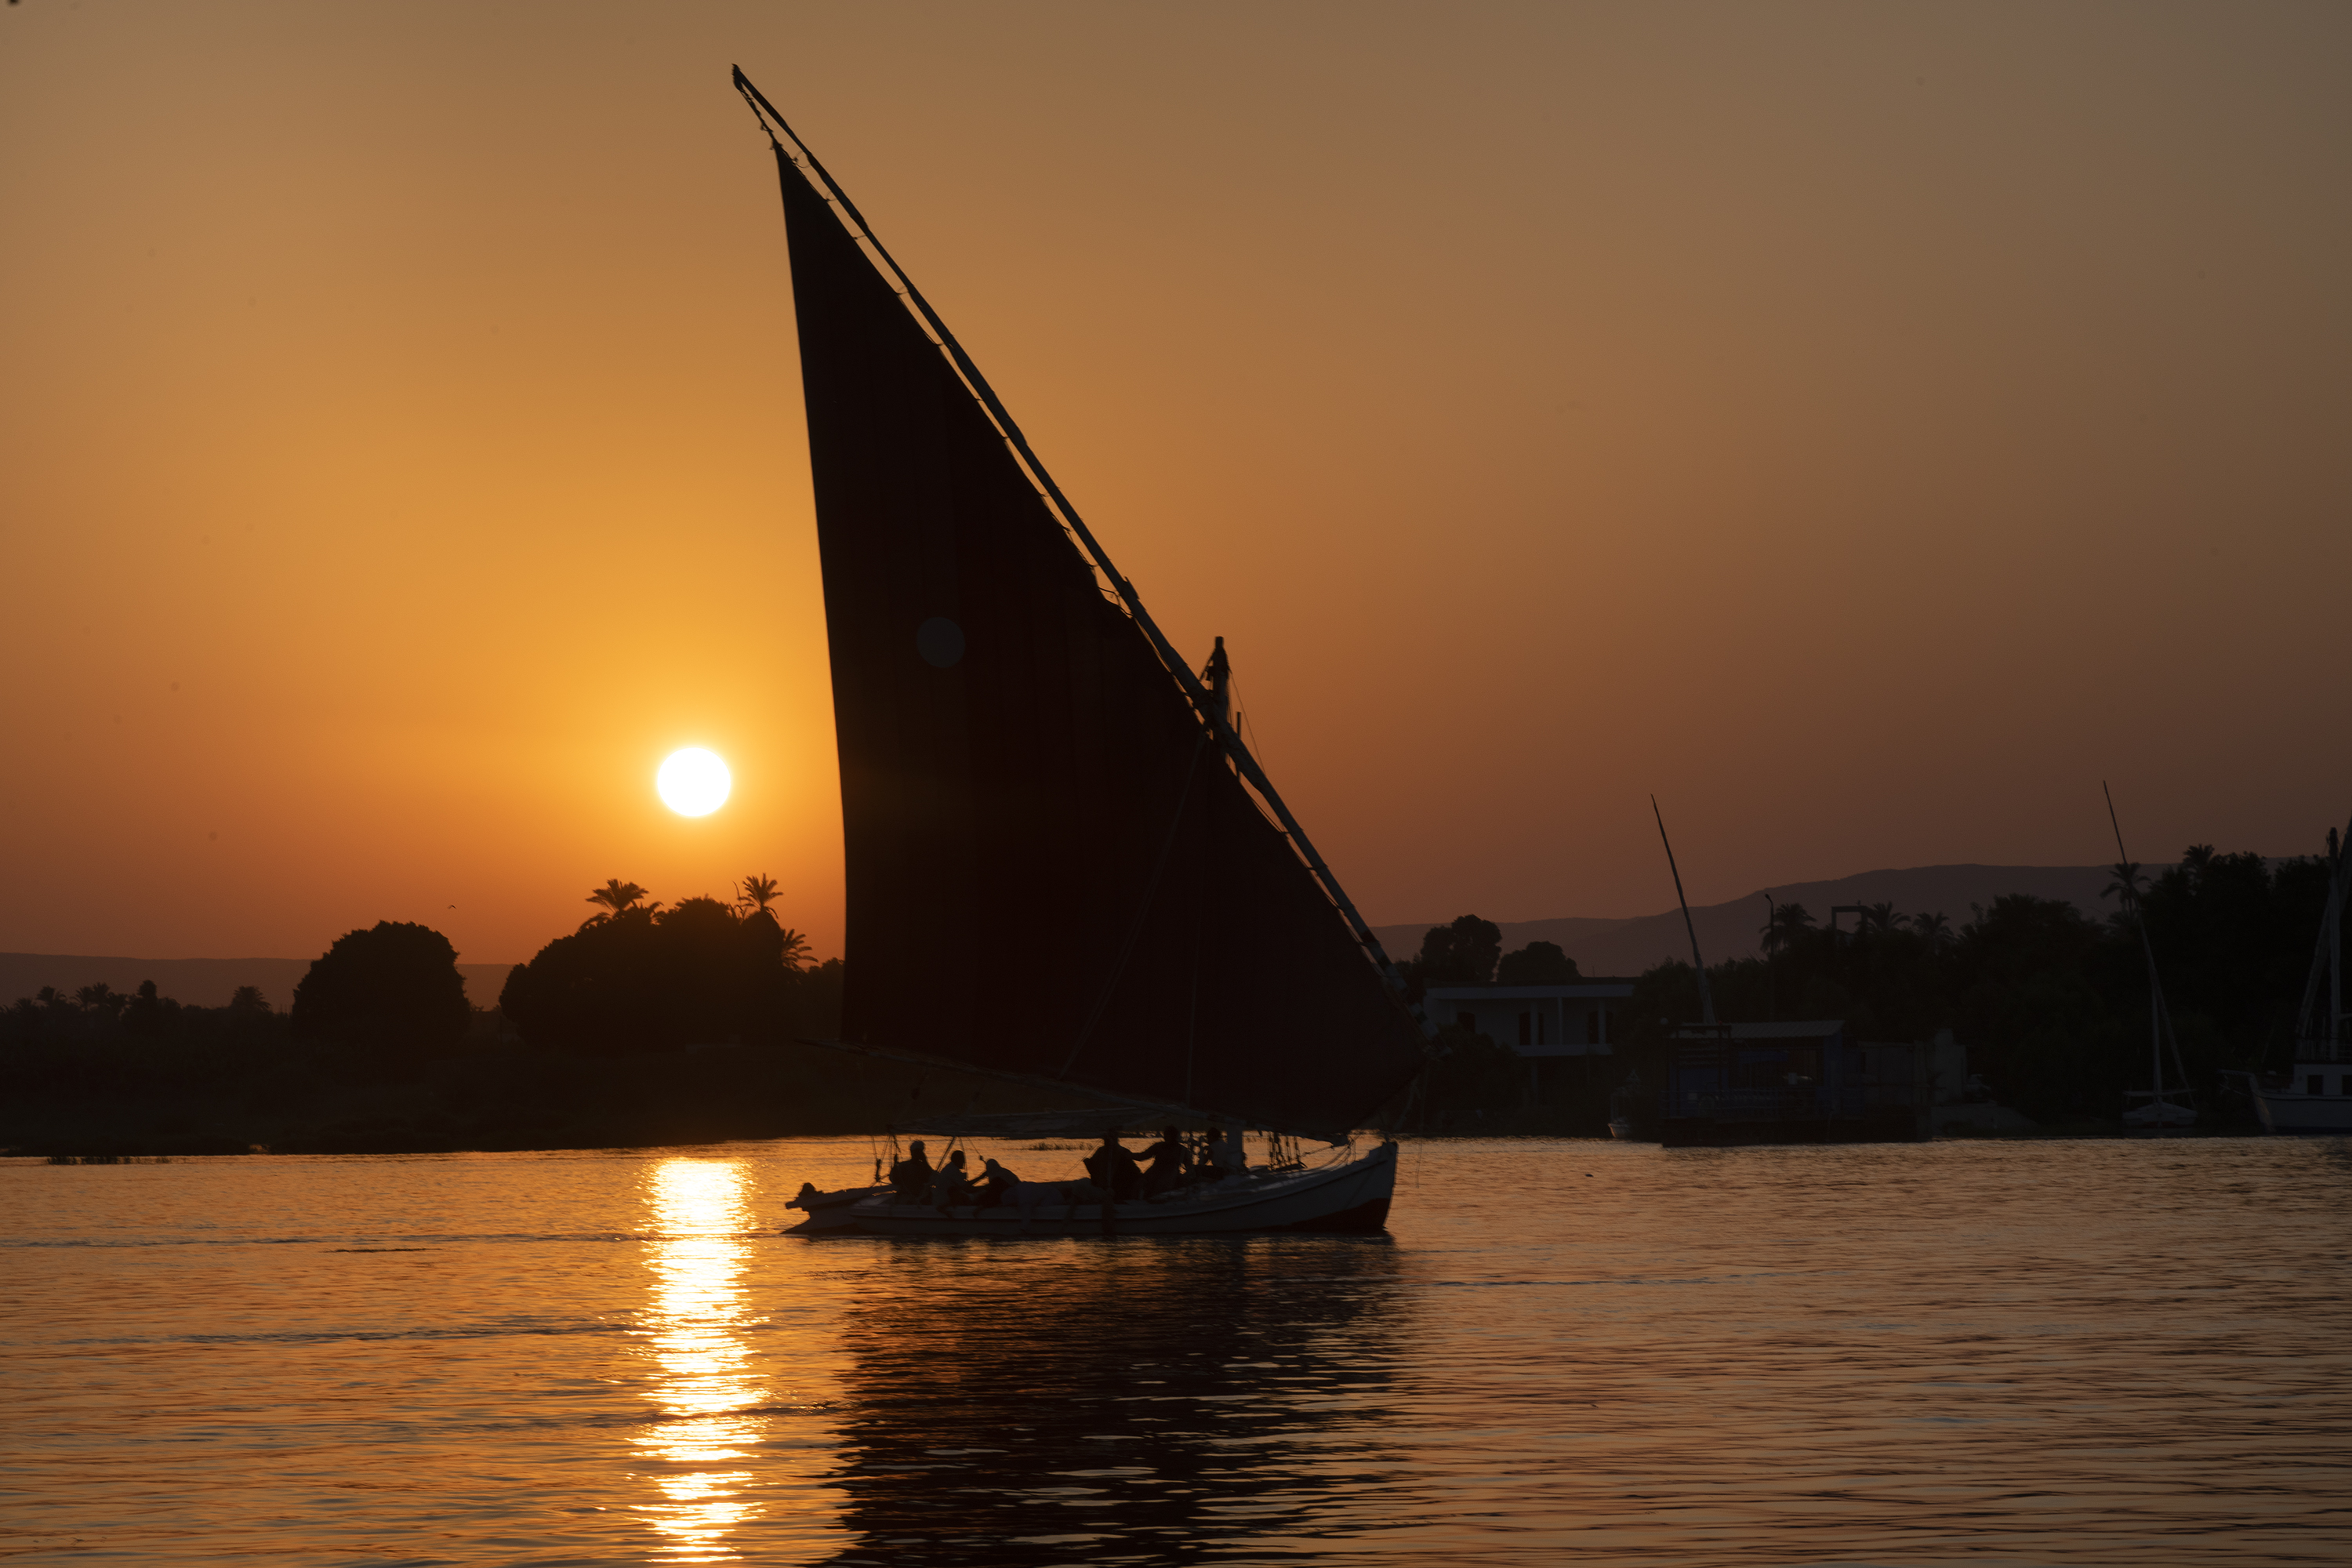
(1122, 1174)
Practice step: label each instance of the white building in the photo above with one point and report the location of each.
(1537, 1021)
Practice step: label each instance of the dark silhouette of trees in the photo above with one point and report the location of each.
(2052, 1003)
(618, 898)
(644, 978)
(150, 1013)
(1538, 963)
(394, 985)
(101, 1003)
(1474, 1084)
(1464, 952)
(96, 1012)
(1787, 922)
(756, 893)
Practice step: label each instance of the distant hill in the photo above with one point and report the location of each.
(199, 982)
(1730, 930)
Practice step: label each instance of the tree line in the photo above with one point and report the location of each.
(98, 1012)
(2054, 1003)
(381, 1051)
(638, 976)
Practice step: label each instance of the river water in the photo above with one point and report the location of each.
(2016, 1353)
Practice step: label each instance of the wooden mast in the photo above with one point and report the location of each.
(2159, 1021)
(1705, 997)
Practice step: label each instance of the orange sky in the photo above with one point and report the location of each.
(1865, 427)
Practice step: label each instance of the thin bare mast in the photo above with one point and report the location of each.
(2160, 1017)
(1705, 997)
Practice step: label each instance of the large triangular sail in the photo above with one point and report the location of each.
(1054, 867)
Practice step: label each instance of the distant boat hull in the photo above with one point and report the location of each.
(2161, 1115)
(2323, 1115)
(1348, 1198)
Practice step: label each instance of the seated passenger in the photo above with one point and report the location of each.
(1222, 1156)
(912, 1175)
(953, 1185)
(996, 1184)
(1114, 1167)
(1169, 1161)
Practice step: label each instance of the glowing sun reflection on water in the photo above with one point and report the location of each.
(692, 1328)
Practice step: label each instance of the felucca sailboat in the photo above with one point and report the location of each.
(2317, 1095)
(1064, 866)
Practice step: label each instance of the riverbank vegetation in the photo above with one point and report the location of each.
(656, 1024)
(648, 1026)
(2052, 1002)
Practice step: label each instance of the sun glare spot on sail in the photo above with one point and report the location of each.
(693, 1327)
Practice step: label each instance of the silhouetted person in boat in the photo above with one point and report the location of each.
(912, 1175)
(1170, 1162)
(951, 1186)
(995, 1188)
(1221, 1156)
(1114, 1166)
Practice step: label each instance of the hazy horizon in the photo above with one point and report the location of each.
(2078, 883)
(1866, 429)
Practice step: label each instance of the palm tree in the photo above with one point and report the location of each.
(1883, 916)
(756, 892)
(1786, 920)
(793, 949)
(98, 997)
(616, 896)
(1936, 929)
(2124, 878)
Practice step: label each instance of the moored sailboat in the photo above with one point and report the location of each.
(2315, 1095)
(1023, 750)
(2156, 1108)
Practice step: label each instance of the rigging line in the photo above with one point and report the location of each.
(1150, 891)
(740, 85)
(1175, 665)
(2311, 1021)
(2160, 1014)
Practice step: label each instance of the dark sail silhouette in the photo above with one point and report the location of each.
(1054, 867)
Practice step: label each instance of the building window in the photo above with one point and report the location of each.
(1467, 1020)
(1526, 1029)
(1592, 1028)
(2313, 1085)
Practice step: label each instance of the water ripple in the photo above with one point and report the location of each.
(2034, 1352)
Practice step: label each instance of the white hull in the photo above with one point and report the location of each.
(1349, 1197)
(2283, 1111)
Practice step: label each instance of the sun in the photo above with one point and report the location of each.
(693, 782)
